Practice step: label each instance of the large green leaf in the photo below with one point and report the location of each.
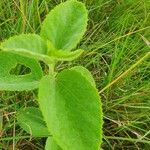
(51, 144)
(31, 120)
(12, 82)
(65, 25)
(30, 45)
(72, 110)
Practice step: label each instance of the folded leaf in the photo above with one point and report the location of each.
(60, 55)
(31, 120)
(74, 114)
(65, 25)
(30, 45)
(11, 82)
(51, 144)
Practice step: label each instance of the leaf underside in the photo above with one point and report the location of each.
(74, 117)
(31, 120)
(18, 82)
(65, 25)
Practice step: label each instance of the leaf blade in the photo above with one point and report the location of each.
(86, 73)
(51, 144)
(75, 116)
(31, 45)
(31, 120)
(29, 42)
(21, 82)
(60, 55)
(65, 25)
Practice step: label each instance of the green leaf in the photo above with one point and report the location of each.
(31, 120)
(65, 25)
(30, 45)
(29, 42)
(67, 56)
(86, 73)
(60, 55)
(51, 144)
(11, 82)
(72, 110)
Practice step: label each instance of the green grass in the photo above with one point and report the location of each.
(117, 56)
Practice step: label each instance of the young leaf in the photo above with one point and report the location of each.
(60, 55)
(65, 25)
(30, 45)
(31, 120)
(18, 82)
(51, 144)
(74, 114)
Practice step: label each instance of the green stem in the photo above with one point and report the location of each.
(51, 68)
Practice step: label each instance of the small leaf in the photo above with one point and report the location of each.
(74, 111)
(65, 25)
(31, 120)
(13, 82)
(30, 45)
(60, 55)
(51, 144)
(67, 56)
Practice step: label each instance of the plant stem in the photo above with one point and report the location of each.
(51, 68)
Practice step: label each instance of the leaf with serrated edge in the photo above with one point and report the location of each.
(30, 45)
(86, 73)
(65, 25)
(51, 144)
(67, 56)
(29, 42)
(61, 55)
(74, 116)
(18, 82)
(31, 120)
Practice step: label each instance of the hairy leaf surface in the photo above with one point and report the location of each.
(31, 120)
(84, 72)
(74, 116)
(65, 25)
(18, 82)
(31, 45)
(51, 144)
(60, 55)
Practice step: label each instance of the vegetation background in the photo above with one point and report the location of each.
(118, 55)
